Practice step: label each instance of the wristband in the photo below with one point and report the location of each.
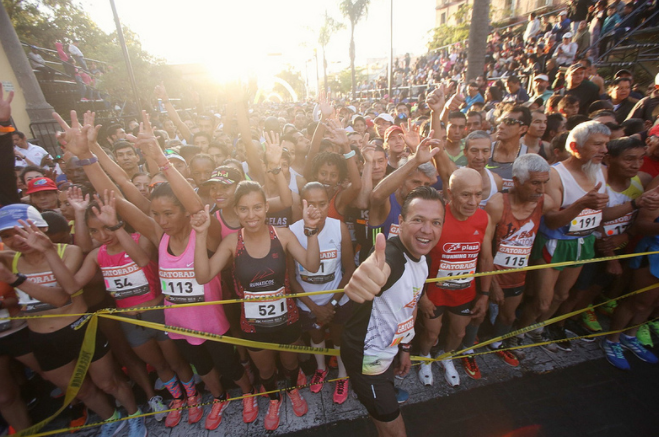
(20, 278)
(115, 227)
(484, 293)
(349, 155)
(634, 205)
(7, 129)
(85, 162)
(406, 347)
(164, 167)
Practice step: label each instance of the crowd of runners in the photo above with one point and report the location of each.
(263, 201)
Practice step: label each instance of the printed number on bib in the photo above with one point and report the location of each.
(512, 256)
(125, 281)
(585, 222)
(404, 332)
(180, 286)
(448, 269)
(4, 324)
(30, 304)
(329, 260)
(270, 311)
(618, 226)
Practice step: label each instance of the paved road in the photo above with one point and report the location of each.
(589, 399)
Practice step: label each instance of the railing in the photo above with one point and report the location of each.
(626, 35)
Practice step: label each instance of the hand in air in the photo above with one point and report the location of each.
(310, 215)
(201, 220)
(106, 212)
(34, 237)
(76, 199)
(371, 275)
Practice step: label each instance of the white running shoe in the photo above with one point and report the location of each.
(157, 405)
(425, 374)
(450, 374)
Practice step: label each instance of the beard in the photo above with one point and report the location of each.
(591, 169)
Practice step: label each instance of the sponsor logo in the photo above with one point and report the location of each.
(461, 247)
(329, 254)
(262, 275)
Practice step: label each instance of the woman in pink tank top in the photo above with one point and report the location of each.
(129, 268)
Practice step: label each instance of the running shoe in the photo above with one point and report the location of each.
(654, 327)
(608, 308)
(301, 378)
(271, 421)
(536, 335)
(450, 374)
(300, 406)
(174, 417)
(589, 320)
(214, 418)
(546, 337)
(158, 385)
(507, 357)
(333, 362)
(632, 344)
(340, 391)
(112, 428)
(558, 334)
(196, 411)
(643, 335)
(137, 427)
(614, 355)
(471, 367)
(515, 342)
(425, 373)
(402, 396)
(578, 329)
(157, 405)
(80, 416)
(317, 380)
(250, 409)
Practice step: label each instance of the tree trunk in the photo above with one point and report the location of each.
(352, 58)
(478, 31)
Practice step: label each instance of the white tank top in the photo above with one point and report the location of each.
(293, 183)
(329, 274)
(493, 189)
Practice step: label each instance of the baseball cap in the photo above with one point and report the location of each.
(358, 117)
(40, 184)
(390, 130)
(11, 214)
(574, 67)
(173, 155)
(386, 117)
(562, 13)
(541, 77)
(352, 108)
(225, 175)
(567, 35)
(621, 72)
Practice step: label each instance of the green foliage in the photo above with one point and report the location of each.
(342, 81)
(330, 26)
(44, 22)
(450, 34)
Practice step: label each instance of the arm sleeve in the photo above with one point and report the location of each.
(8, 187)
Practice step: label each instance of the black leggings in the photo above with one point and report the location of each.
(211, 354)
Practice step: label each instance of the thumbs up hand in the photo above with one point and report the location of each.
(594, 199)
(371, 275)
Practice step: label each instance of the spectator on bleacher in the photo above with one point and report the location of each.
(27, 153)
(515, 92)
(577, 12)
(596, 17)
(473, 96)
(562, 25)
(77, 54)
(566, 51)
(619, 91)
(646, 108)
(532, 29)
(634, 96)
(115, 133)
(578, 86)
(582, 39)
(38, 64)
(541, 88)
(69, 68)
(551, 69)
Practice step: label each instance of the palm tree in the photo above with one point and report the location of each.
(329, 27)
(353, 10)
(478, 31)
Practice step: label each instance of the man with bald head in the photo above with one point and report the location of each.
(466, 249)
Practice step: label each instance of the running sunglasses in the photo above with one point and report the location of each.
(509, 121)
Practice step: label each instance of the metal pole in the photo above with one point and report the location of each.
(124, 49)
(391, 47)
(315, 55)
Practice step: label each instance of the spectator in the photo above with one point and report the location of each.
(580, 87)
(39, 64)
(566, 51)
(516, 93)
(473, 96)
(532, 29)
(619, 91)
(541, 88)
(582, 39)
(577, 12)
(77, 54)
(646, 107)
(611, 21)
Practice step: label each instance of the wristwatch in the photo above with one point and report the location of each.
(115, 227)
(310, 231)
(275, 171)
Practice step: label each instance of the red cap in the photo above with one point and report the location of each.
(40, 184)
(654, 132)
(390, 130)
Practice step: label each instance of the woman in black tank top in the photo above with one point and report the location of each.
(259, 252)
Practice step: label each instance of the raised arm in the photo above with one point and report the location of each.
(273, 153)
(364, 195)
(81, 237)
(309, 258)
(337, 135)
(161, 94)
(206, 269)
(251, 153)
(326, 111)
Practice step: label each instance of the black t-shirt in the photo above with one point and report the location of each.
(587, 92)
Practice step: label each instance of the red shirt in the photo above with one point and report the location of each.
(650, 166)
(456, 253)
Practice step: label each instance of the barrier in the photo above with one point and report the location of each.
(91, 322)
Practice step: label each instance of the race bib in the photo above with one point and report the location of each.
(271, 311)
(4, 324)
(30, 304)
(329, 260)
(180, 286)
(618, 226)
(447, 269)
(394, 230)
(404, 332)
(512, 257)
(508, 184)
(585, 223)
(125, 281)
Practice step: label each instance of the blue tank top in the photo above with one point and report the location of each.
(390, 225)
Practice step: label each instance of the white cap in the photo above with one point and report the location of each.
(567, 35)
(386, 117)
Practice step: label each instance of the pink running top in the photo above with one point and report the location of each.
(179, 285)
(226, 229)
(129, 284)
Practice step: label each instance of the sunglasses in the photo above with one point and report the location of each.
(509, 121)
